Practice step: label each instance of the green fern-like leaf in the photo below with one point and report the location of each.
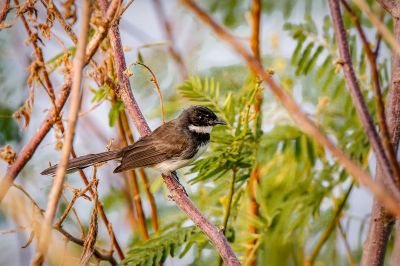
(156, 250)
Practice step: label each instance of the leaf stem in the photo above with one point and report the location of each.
(228, 206)
(325, 235)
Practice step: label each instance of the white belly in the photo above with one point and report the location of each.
(169, 166)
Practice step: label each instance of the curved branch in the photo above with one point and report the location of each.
(56, 189)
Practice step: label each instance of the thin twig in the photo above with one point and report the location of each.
(127, 5)
(55, 193)
(255, 28)
(227, 212)
(90, 239)
(76, 195)
(21, 188)
(380, 26)
(28, 150)
(13, 231)
(102, 213)
(67, 27)
(304, 122)
(33, 37)
(346, 245)
(158, 89)
(255, 24)
(97, 253)
(330, 228)
(173, 51)
(177, 192)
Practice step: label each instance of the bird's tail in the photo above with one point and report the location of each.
(85, 161)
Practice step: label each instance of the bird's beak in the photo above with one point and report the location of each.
(219, 121)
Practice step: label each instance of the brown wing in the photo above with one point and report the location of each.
(163, 144)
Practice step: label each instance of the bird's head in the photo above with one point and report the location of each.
(201, 119)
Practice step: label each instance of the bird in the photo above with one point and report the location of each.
(171, 146)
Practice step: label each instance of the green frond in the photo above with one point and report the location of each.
(156, 250)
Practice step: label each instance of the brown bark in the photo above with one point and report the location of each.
(396, 248)
(57, 188)
(381, 223)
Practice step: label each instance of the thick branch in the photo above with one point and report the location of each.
(56, 189)
(391, 6)
(380, 26)
(177, 192)
(381, 222)
(388, 166)
(304, 122)
(372, 58)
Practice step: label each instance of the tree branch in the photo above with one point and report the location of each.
(304, 122)
(381, 222)
(5, 8)
(177, 192)
(380, 26)
(372, 57)
(391, 6)
(55, 193)
(29, 149)
(328, 230)
(388, 167)
(255, 25)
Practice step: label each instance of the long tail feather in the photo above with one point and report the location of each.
(85, 161)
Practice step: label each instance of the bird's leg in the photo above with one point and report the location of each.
(177, 184)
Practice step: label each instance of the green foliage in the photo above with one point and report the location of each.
(113, 114)
(232, 12)
(156, 250)
(315, 59)
(9, 130)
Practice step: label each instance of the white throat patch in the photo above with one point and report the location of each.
(197, 129)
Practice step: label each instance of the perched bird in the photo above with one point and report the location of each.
(171, 146)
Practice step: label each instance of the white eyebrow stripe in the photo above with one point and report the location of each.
(197, 129)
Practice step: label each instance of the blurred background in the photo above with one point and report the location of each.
(299, 187)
